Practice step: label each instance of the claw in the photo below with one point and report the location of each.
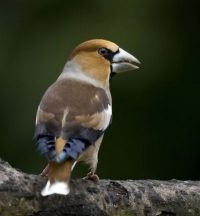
(92, 176)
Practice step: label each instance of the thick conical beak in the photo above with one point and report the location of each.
(124, 61)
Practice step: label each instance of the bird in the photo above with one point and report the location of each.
(76, 110)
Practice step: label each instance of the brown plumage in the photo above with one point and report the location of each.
(76, 110)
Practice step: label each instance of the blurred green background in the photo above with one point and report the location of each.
(155, 129)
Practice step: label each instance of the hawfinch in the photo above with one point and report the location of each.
(76, 110)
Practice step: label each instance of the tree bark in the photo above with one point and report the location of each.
(20, 195)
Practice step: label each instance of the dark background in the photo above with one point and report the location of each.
(155, 130)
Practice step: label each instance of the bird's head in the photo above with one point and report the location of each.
(99, 59)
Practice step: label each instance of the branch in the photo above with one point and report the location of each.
(20, 195)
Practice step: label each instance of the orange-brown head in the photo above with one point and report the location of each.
(96, 59)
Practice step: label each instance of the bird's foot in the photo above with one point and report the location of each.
(45, 171)
(92, 176)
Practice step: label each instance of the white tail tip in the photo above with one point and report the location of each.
(55, 188)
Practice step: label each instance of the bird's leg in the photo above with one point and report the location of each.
(92, 176)
(45, 171)
(93, 150)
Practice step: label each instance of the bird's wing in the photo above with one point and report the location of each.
(77, 112)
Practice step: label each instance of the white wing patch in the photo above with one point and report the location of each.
(106, 115)
(97, 121)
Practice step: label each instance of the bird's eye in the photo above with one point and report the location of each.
(103, 51)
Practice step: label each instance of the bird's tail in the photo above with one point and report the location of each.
(58, 174)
